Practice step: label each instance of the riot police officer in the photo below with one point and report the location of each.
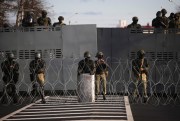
(134, 24)
(158, 21)
(140, 68)
(101, 74)
(10, 68)
(60, 23)
(86, 65)
(44, 20)
(37, 76)
(175, 23)
(28, 20)
(164, 18)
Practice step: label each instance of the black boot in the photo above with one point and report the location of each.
(104, 97)
(96, 97)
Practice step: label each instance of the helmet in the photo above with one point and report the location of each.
(164, 11)
(29, 13)
(99, 55)
(37, 55)
(176, 15)
(10, 56)
(172, 14)
(87, 54)
(44, 12)
(159, 14)
(141, 54)
(135, 18)
(60, 18)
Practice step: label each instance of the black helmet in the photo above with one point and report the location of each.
(177, 15)
(135, 18)
(87, 54)
(141, 54)
(44, 12)
(159, 14)
(99, 55)
(164, 11)
(37, 55)
(172, 14)
(60, 18)
(10, 56)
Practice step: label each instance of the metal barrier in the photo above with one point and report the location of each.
(63, 47)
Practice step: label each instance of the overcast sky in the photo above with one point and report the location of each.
(107, 13)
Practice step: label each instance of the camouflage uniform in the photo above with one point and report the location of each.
(10, 68)
(101, 73)
(175, 23)
(164, 18)
(140, 68)
(60, 23)
(86, 65)
(158, 21)
(171, 17)
(37, 70)
(134, 24)
(44, 21)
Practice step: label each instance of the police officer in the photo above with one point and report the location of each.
(44, 20)
(86, 65)
(140, 68)
(171, 17)
(158, 21)
(60, 23)
(134, 24)
(101, 74)
(164, 18)
(37, 76)
(28, 21)
(10, 68)
(175, 23)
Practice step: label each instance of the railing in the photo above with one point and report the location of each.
(49, 28)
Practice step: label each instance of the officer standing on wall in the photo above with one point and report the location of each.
(140, 68)
(175, 23)
(10, 68)
(164, 18)
(86, 65)
(158, 21)
(101, 74)
(28, 20)
(134, 24)
(60, 23)
(37, 76)
(44, 20)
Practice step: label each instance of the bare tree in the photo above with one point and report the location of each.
(5, 7)
(34, 6)
(20, 8)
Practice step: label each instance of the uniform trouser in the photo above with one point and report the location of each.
(144, 82)
(99, 78)
(10, 91)
(38, 87)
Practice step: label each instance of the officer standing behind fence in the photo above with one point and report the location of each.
(140, 68)
(10, 68)
(86, 65)
(101, 74)
(37, 76)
